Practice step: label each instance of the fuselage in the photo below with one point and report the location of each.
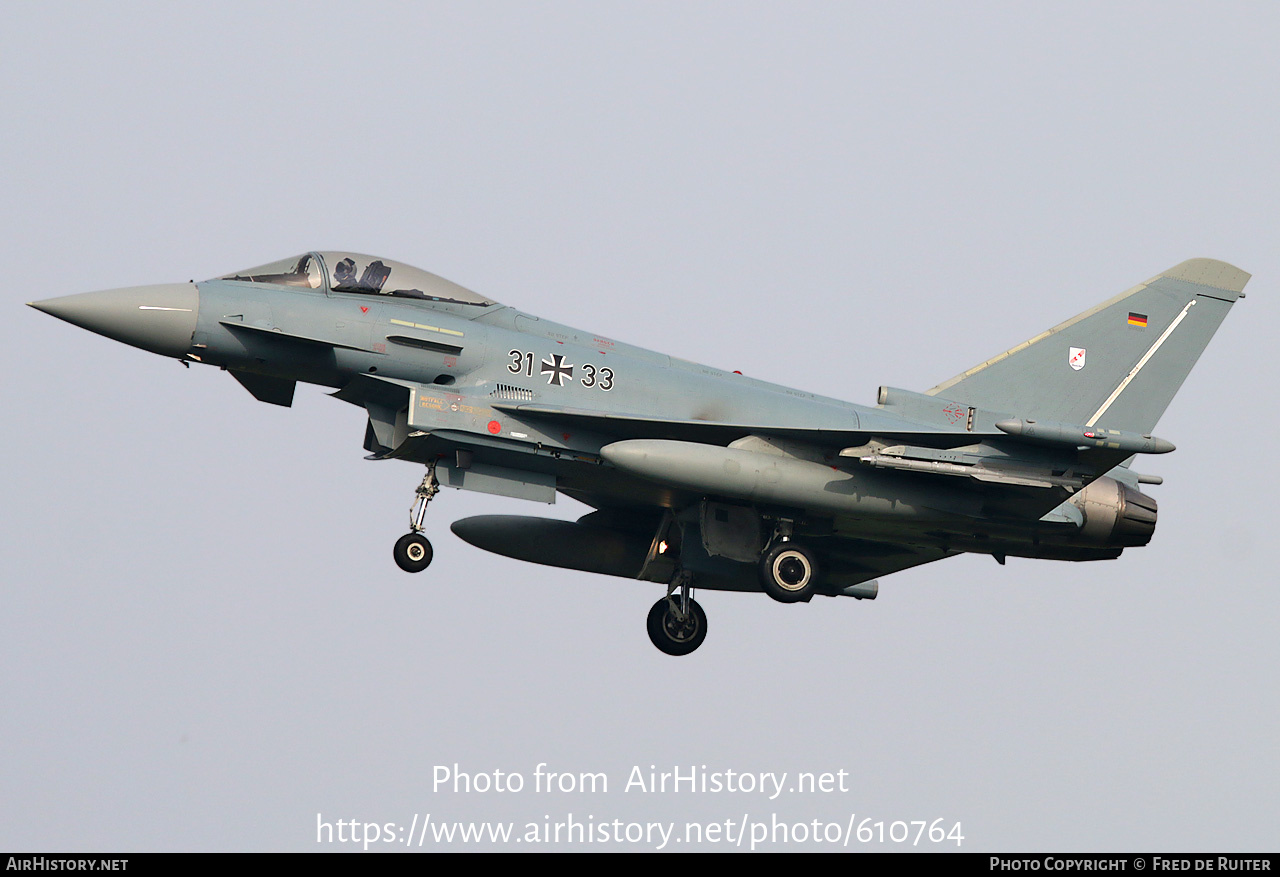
(697, 474)
(474, 349)
(444, 371)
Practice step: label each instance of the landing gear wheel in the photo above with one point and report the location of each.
(673, 635)
(788, 573)
(413, 552)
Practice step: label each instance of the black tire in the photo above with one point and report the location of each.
(789, 573)
(413, 552)
(673, 636)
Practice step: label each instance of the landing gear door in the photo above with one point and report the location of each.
(664, 552)
(731, 531)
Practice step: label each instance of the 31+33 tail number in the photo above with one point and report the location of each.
(558, 371)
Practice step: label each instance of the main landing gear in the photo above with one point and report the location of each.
(413, 552)
(677, 624)
(788, 572)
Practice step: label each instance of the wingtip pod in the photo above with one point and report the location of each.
(1209, 272)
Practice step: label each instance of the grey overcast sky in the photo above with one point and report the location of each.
(204, 642)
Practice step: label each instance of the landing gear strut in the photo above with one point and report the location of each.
(413, 552)
(677, 624)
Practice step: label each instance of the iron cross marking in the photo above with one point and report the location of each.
(557, 371)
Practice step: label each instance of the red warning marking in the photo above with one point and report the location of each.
(364, 309)
(495, 427)
(736, 372)
(564, 435)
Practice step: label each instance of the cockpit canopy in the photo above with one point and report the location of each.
(337, 272)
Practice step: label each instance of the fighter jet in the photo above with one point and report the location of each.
(700, 477)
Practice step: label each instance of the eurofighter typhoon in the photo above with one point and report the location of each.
(700, 477)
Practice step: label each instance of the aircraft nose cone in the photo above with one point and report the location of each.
(161, 319)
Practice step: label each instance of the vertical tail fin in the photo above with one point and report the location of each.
(1117, 364)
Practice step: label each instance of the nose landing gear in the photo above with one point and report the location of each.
(413, 551)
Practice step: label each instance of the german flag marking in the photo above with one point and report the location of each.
(1139, 320)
